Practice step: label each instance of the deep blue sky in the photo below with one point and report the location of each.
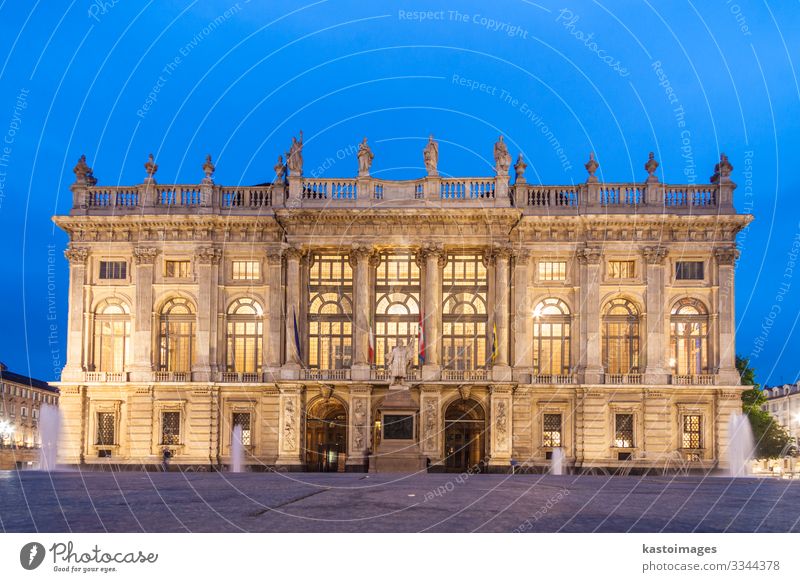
(75, 78)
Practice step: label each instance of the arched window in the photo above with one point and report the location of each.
(689, 337)
(330, 312)
(176, 336)
(112, 330)
(397, 297)
(245, 335)
(620, 337)
(464, 292)
(551, 337)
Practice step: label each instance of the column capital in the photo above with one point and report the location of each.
(76, 255)
(294, 252)
(655, 255)
(145, 255)
(360, 253)
(274, 257)
(497, 251)
(208, 255)
(726, 255)
(521, 255)
(431, 249)
(589, 255)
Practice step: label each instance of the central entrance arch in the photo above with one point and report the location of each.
(326, 435)
(464, 435)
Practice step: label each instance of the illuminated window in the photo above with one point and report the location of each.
(689, 270)
(551, 436)
(245, 336)
(243, 419)
(330, 312)
(620, 337)
(689, 337)
(246, 270)
(176, 339)
(691, 431)
(623, 431)
(552, 270)
(621, 269)
(397, 297)
(113, 269)
(170, 428)
(551, 337)
(105, 428)
(112, 328)
(464, 318)
(177, 269)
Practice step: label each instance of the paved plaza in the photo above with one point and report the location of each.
(75, 501)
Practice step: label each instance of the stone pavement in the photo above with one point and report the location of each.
(76, 501)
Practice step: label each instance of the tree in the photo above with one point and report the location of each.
(771, 438)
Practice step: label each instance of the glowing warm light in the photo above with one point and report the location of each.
(672, 362)
(537, 312)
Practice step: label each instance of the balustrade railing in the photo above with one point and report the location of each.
(462, 375)
(550, 197)
(467, 189)
(552, 379)
(166, 376)
(694, 379)
(105, 376)
(623, 378)
(316, 374)
(329, 190)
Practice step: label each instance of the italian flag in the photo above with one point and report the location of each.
(421, 338)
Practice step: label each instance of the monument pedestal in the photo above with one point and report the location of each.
(398, 451)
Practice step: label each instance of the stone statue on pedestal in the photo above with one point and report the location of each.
(502, 159)
(398, 362)
(365, 157)
(431, 156)
(294, 157)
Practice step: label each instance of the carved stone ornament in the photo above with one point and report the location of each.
(430, 423)
(325, 391)
(145, 255)
(590, 255)
(77, 255)
(275, 256)
(208, 255)
(519, 170)
(280, 171)
(722, 170)
(359, 253)
(726, 256)
(502, 159)
(501, 423)
(150, 167)
(293, 253)
(591, 167)
(208, 170)
(289, 425)
(465, 390)
(655, 255)
(652, 165)
(430, 155)
(83, 173)
(294, 157)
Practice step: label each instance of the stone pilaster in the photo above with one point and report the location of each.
(207, 264)
(360, 262)
(726, 261)
(590, 354)
(501, 426)
(73, 370)
(72, 404)
(292, 363)
(360, 430)
(290, 427)
(522, 313)
(275, 304)
(142, 365)
(433, 258)
(431, 424)
(656, 370)
(501, 371)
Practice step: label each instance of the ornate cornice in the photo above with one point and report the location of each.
(77, 255)
(655, 255)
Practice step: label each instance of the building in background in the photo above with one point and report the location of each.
(21, 399)
(783, 403)
(597, 318)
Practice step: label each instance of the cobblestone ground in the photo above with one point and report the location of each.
(306, 502)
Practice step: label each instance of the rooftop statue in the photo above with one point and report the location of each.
(365, 157)
(431, 156)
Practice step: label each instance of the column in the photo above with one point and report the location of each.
(501, 371)
(360, 427)
(142, 365)
(292, 365)
(360, 262)
(656, 372)
(500, 431)
(433, 258)
(726, 261)
(290, 437)
(73, 370)
(431, 426)
(274, 320)
(590, 357)
(206, 260)
(522, 313)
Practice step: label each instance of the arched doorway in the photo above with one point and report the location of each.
(326, 436)
(464, 435)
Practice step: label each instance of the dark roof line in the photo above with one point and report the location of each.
(7, 376)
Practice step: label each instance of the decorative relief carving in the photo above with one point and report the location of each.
(590, 255)
(208, 255)
(145, 255)
(293, 253)
(465, 390)
(359, 424)
(289, 425)
(501, 423)
(359, 253)
(77, 255)
(655, 255)
(326, 390)
(430, 423)
(726, 256)
(274, 257)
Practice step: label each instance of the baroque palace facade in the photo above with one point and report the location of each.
(596, 318)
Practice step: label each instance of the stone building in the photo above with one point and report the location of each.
(783, 403)
(21, 399)
(597, 318)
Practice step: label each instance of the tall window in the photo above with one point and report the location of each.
(112, 330)
(551, 436)
(552, 270)
(397, 296)
(464, 318)
(551, 337)
(330, 312)
(246, 270)
(620, 337)
(105, 428)
(623, 431)
(176, 335)
(113, 269)
(170, 428)
(691, 431)
(177, 269)
(245, 335)
(689, 270)
(621, 269)
(243, 419)
(689, 337)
